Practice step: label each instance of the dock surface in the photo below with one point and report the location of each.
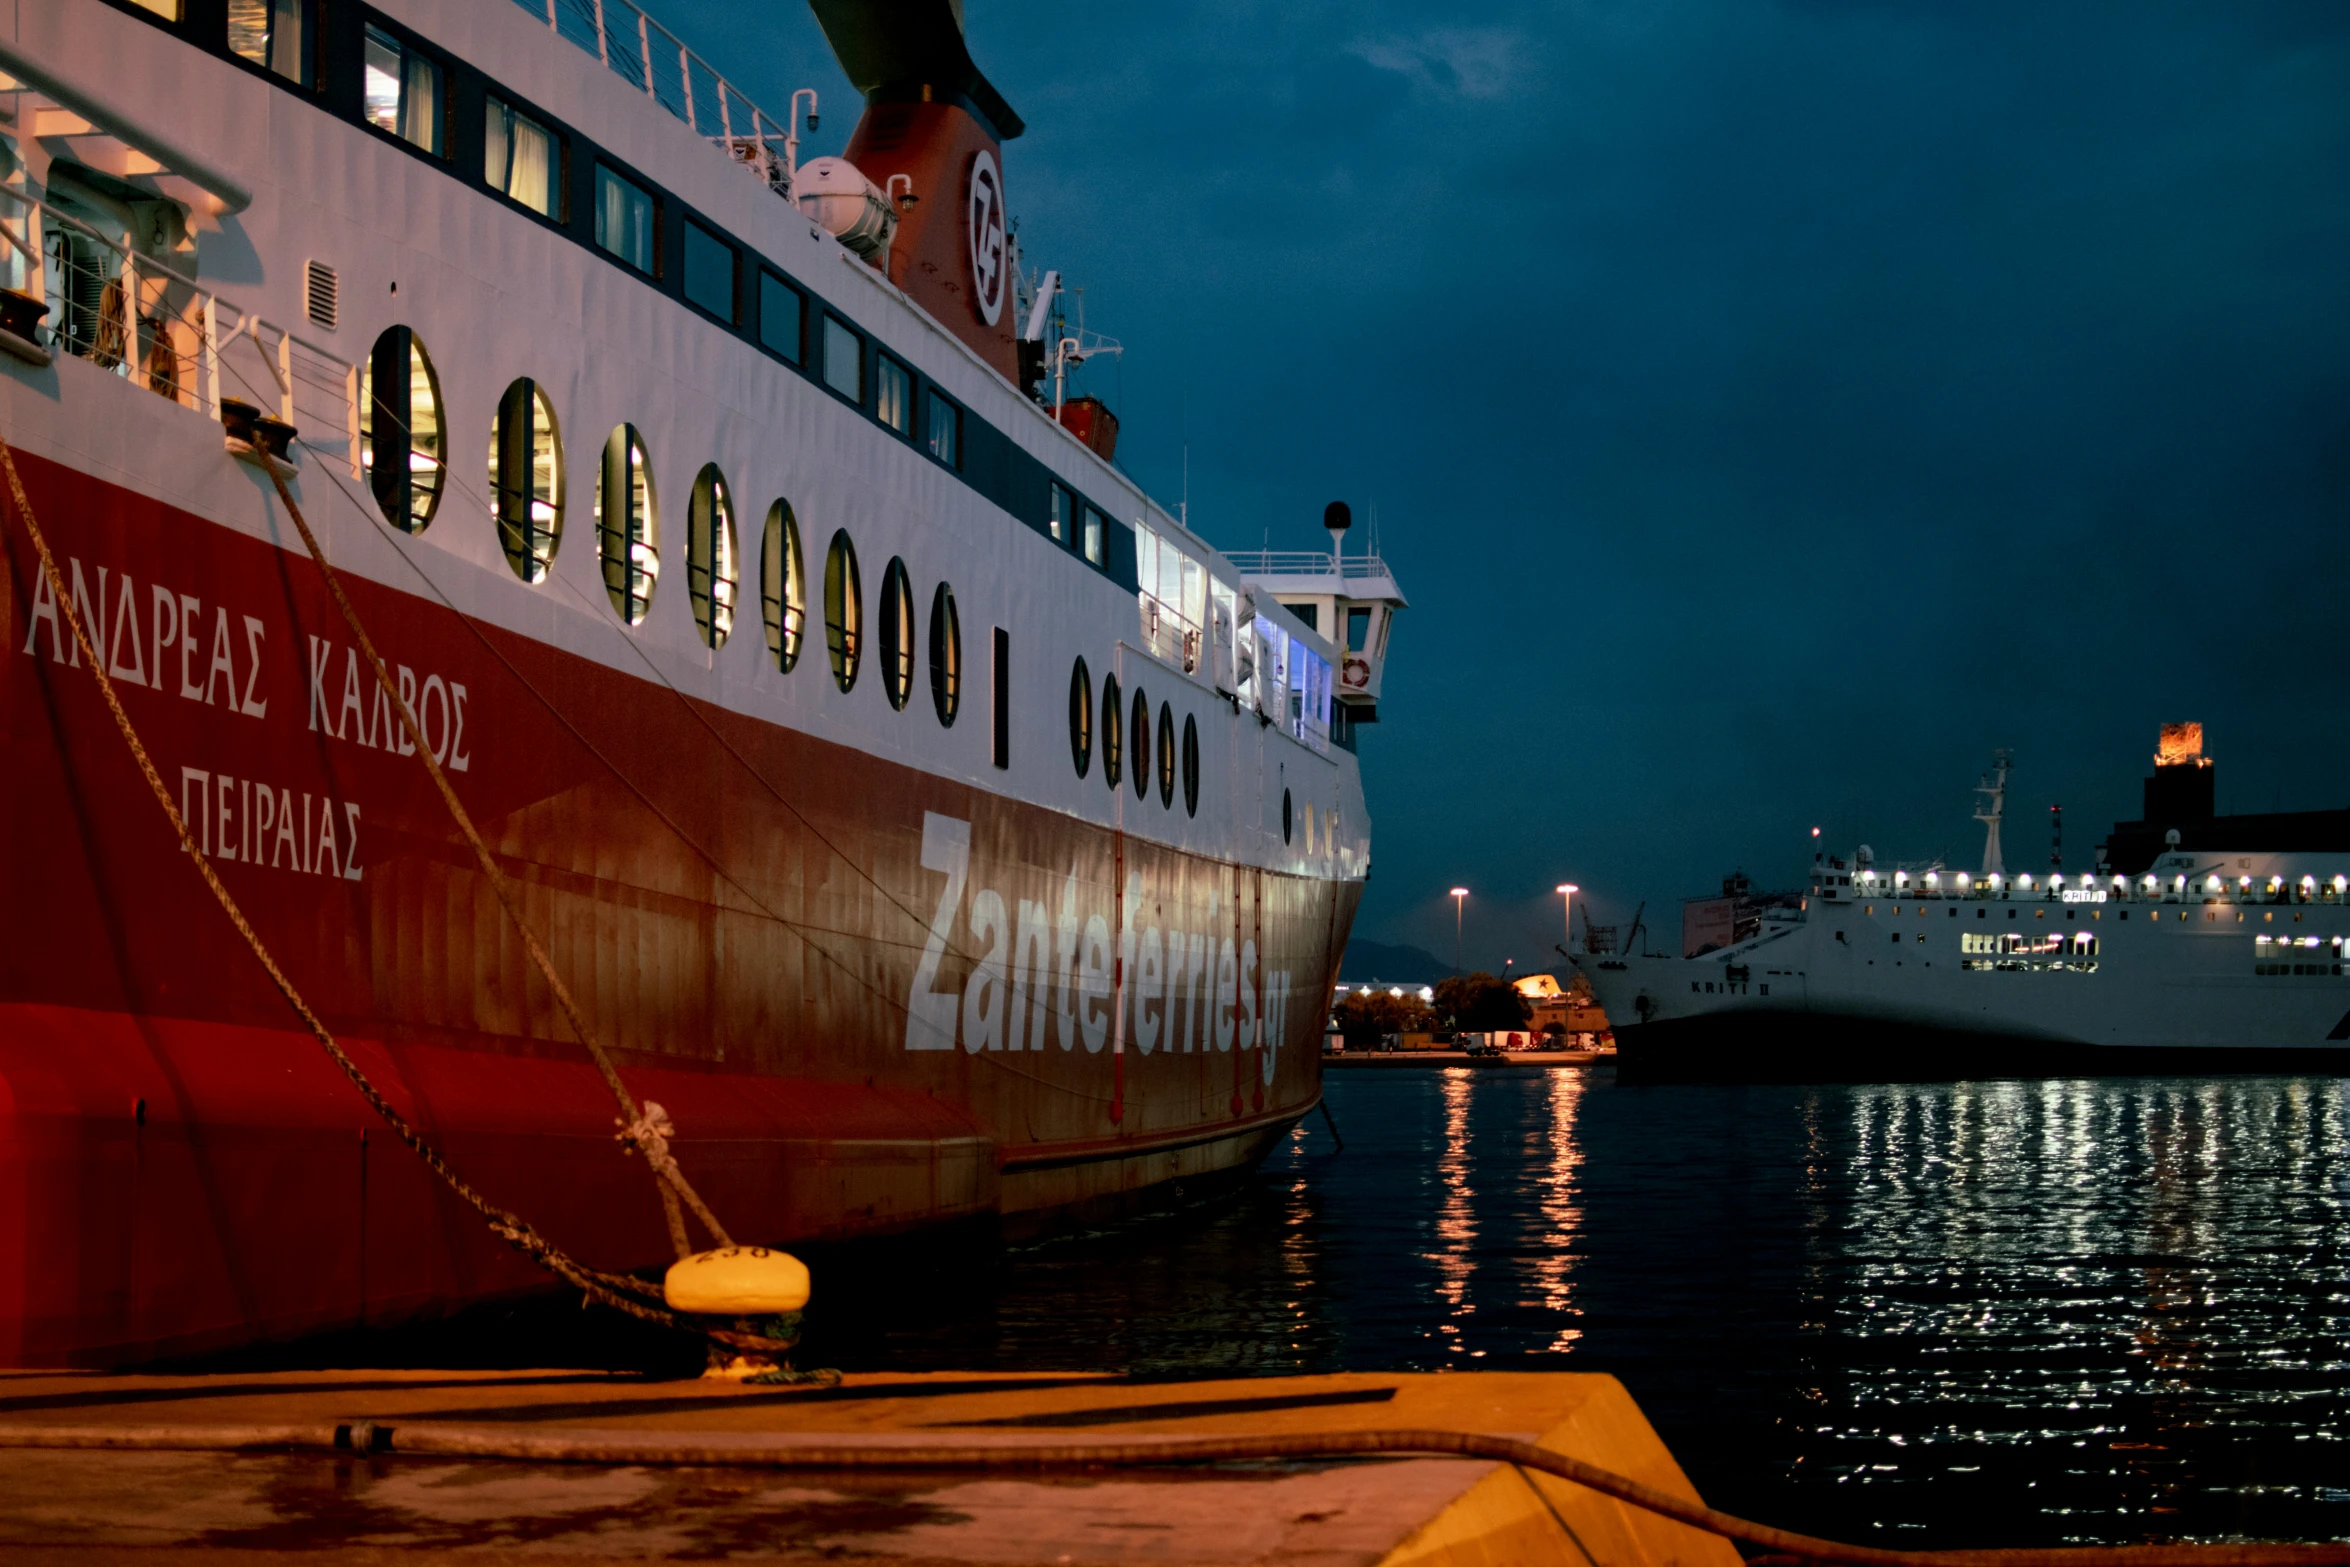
(162, 1507)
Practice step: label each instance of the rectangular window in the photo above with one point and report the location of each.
(169, 10)
(709, 271)
(893, 394)
(844, 360)
(1358, 629)
(1096, 536)
(625, 221)
(278, 35)
(944, 430)
(1003, 698)
(1061, 513)
(1311, 614)
(522, 160)
(780, 308)
(402, 92)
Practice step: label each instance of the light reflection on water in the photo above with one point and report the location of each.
(1994, 1313)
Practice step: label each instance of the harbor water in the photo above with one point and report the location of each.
(1997, 1313)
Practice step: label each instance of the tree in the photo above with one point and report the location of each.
(1362, 1019)
(1481, 1003)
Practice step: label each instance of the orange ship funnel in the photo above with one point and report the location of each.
(932, 135)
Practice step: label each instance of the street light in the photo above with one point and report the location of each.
(1566, 892)
(1458, 893)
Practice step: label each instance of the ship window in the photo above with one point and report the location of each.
(1060, 512)
(1081, 718)
(781, 309)
(783, 586)
(893, 394)
(1286, 823)
(709, 272)
(1311, 614)
(1096, 530)
(522, 160)
(1140, 760)
(526, 480)
(1112, 730)
(1002, 738)
(844, 359)
(625, 221)
(278, 35)
(946, 656)
(1190, 765)
(628, 524)
(942, 427)
(897, 634)
(400, 429)
(169, 10)
(402, 92)
(844, 610)
(1167, 756)
(1358, 629)
(712, 570)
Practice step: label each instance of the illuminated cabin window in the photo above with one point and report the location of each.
(1138, 760)
(627, 221)
(1112, 730)
(844, 360)
(713, 573)
(1096, 541)
(526, 480)
(844, 610)
(1190, 765)
(897, 634)
(943, 429)
(893, 394)
(400, 436)
(169, 10)
(1167, 756)
(402, 93)
(628, 524)
(946, 656)
(783, 586)
(1060, 512)
(278, 35)
(522, 160)
(1081, 718)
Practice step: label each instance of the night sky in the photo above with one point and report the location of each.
(1769, 408)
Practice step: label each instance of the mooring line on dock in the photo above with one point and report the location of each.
(1784, 1547)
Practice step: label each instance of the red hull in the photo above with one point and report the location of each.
(743, 910)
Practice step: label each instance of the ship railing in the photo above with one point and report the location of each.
(2234, 895)
(1306, 563)
(155, 326)
(1169, 635)
(651, 58)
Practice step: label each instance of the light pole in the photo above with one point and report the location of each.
(1566, 892)
(1458, 893)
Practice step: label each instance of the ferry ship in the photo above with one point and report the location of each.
(1005, 892)
(2199, 942)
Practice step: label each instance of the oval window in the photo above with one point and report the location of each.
(946, 656)
(783, 586)
(1139, 762)
(712, 575)
(1081, 718)
(1285, 818)
(628, 524)
(526, 480)
(844, 610)
(1190, 765)
(1167, 756)
(400, 429)
(1111, 730)
(897, 634)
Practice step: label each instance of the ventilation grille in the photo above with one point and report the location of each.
(322, 293)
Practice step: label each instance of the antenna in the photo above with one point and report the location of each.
(2056, 837)
(1994, 790)
(1047, 286)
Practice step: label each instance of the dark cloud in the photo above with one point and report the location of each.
(1771, 408)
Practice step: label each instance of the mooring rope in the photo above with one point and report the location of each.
(813, 1452)
(616, 1290)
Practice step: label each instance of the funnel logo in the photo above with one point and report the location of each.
(984, 219)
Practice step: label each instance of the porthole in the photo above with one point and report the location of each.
(400, 429)
(946, 656)
(1081, 718)
(1140, 761)
(1112, 730)
(526, 480)
(628, 524)
(844, 610)
(897, 634)
(783, 586)
(1285, 817)
(1190, 765)
(1167, 756)
(713, 574)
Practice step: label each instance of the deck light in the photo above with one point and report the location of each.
(1458, 894)
(1566, 891)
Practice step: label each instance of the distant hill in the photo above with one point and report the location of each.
(1369, 960)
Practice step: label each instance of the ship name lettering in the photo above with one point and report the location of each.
(250, 821)
(176, 620)
(437, 703)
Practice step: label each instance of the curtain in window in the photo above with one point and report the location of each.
(532, 174)
(420, 108)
